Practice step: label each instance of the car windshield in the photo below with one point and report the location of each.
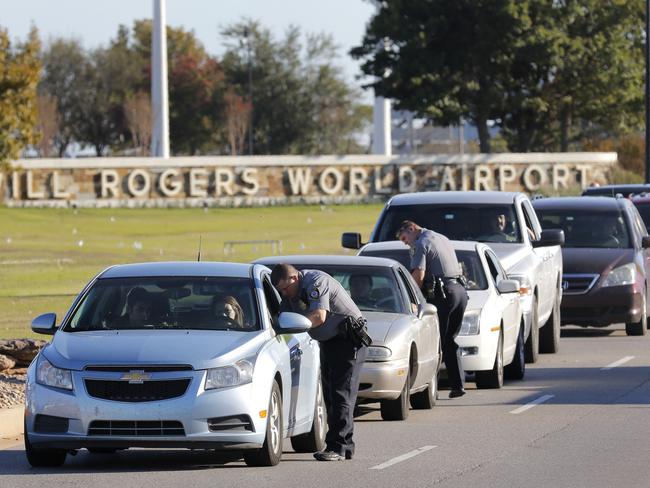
(585, 228)
(372, 288)
(470, 264)
(485, 223)
(208, 303)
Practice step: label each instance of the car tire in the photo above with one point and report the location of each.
(397, 409)
(43, 458)
(494, 377)
(516, 370)
(549, 335)
(426, 399)
(639, 328)
(271, 451)
(532, 344)
(314, 440)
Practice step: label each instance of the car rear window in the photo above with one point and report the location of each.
(484, 223)
(207, 303)
(586, 228)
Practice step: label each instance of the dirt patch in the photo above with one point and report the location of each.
(12, 387)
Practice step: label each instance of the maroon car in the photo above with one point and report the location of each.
(606, 260)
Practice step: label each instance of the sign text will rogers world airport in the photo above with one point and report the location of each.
(263, 180)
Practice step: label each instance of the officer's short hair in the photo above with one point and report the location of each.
(404, 226)
(282, 272)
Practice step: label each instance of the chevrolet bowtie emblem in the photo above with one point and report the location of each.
(135, 377)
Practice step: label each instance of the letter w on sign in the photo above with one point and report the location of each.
(299, 180)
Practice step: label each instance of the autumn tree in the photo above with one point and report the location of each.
(47, 123)
(137, 110)
(19, 72)
(238, 114)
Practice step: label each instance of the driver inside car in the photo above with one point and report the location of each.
(360, 287)
(139, 309)
(227, 312)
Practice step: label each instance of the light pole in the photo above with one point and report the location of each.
(647, 91)
(250, 90)
(159, 92)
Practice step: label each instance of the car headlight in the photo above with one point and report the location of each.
(471, 323)
(378, 353)
(623, 275)
(49, 375)
(525, 285)
(236, 374)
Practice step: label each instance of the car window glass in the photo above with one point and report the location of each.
(272, 300)
(207, 303)
(587, 228)
(532, 224)
(413, 302)
(644, 212)
(495, 270)
(372, 288)
(472, 269)
(490, 223)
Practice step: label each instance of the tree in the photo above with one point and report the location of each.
(301, 102)
(138, 118)
(64, 62)
(238, 114)
(541, 70)
(47, 123)
(19, 71)
(196, 89)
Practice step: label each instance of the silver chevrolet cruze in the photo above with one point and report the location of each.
(175, 355)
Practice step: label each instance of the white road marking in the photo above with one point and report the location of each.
(403, 457)
(532, 404)
(617, 363)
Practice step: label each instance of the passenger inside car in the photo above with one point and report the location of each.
(360, 287)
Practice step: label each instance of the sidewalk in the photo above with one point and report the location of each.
(11, 422)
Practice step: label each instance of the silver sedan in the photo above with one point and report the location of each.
(190, 355)
(403, 361)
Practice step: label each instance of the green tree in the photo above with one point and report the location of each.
(301, 103)
(64, 63)
(20, 68)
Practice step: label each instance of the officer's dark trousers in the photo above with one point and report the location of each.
(340, 370)
(450, 316)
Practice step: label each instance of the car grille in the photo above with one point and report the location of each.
(573, 284)
(136, 428)
(147, 391)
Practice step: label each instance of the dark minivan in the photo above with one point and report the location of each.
(606, 260)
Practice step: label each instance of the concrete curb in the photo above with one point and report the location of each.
(11, 422)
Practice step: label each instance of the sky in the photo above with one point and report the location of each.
(95, 22)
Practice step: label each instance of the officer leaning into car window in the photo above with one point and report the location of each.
(325, 302)
(436, 270)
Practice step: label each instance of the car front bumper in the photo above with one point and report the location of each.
(478, 351)
(383, 380)
(202, 414)
(601, 307)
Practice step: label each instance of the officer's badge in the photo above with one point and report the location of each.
(314, 294)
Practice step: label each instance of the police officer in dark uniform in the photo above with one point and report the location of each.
(325, 302)
(436, 270)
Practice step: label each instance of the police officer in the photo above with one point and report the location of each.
(325, 302)
(436, 270)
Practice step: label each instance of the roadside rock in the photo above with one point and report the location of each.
(22, 350)
(6, 362)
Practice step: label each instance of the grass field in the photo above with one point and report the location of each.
(47, 255)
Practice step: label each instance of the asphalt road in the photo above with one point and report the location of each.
(580, 418)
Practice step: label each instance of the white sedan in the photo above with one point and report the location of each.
(175, 355)
(491, 338)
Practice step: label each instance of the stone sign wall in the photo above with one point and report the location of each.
(268, 180)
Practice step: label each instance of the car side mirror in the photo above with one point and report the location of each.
(292, 323)
(645, 242)
(426, 309)
(550, 237)
(351, 240)
(508, 286)
(45, 324)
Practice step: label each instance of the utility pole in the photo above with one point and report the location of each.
(250, 89)
(159, 92)
(647, 91)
